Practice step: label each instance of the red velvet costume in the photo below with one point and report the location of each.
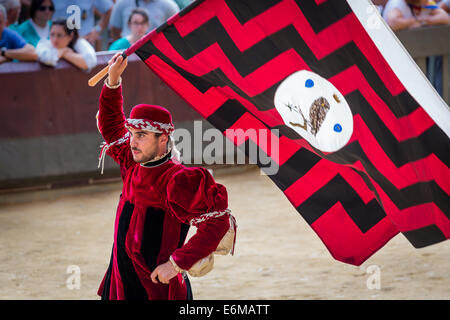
(157, 204)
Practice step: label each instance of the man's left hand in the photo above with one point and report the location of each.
(164, 272)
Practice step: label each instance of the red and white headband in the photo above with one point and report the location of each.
(149, 125)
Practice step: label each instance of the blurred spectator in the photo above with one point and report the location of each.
(12, 13)
(380, 4)
(38, 26)
(65, 44)
(139, 23)
(159, 11)
(89, 30)
(445, 5)
(183, 3)
(435, 63)
(12, 45)
(406, 14)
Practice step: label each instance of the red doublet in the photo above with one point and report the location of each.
(157, 203)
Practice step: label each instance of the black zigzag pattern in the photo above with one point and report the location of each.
(320, 17)
(339, 61)
(266, 50)
(425, 236)
(387, 140)
(246, 11)
(290, 171)
(323, 15)
(365, 216)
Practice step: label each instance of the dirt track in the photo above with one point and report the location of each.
(277, 255)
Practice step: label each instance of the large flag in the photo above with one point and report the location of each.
(363, 138)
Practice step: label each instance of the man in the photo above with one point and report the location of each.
(38, 26)
(12, 45)
(159, 11)
(160, 199)
(12, 8)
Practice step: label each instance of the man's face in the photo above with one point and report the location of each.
(45, 11)
(138, 25)
(145, 145)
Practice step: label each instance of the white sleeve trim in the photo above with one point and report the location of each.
(207, 216)
(114, 86)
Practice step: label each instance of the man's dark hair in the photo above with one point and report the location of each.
(143, 12)
(35, 4)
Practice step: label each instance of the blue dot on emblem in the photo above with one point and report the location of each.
(337, 127)
(309, 83)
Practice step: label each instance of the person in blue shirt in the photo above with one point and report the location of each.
(12, 45)
(139, 23)
(38, 26)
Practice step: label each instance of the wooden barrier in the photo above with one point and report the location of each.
(429, 41)
(47, 126)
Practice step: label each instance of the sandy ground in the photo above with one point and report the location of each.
(277, 255)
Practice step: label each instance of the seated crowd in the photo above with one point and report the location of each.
(50, 30)
(46, 30)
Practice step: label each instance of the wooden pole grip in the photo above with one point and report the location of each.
(99, 76)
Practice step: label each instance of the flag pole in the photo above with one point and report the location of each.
(99, 75)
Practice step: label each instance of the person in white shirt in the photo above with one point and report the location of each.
(159, 11)
(38, 26)
(65, 44)
(445, 5)
(407, 14)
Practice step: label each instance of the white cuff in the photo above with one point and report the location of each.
(205, 216)
(115, 86)
(177, 268)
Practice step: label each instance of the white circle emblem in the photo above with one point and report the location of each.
(315, 109)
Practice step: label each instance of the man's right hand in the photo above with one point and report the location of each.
(117, 65)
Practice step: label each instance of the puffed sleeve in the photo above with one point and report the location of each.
(195, 198)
